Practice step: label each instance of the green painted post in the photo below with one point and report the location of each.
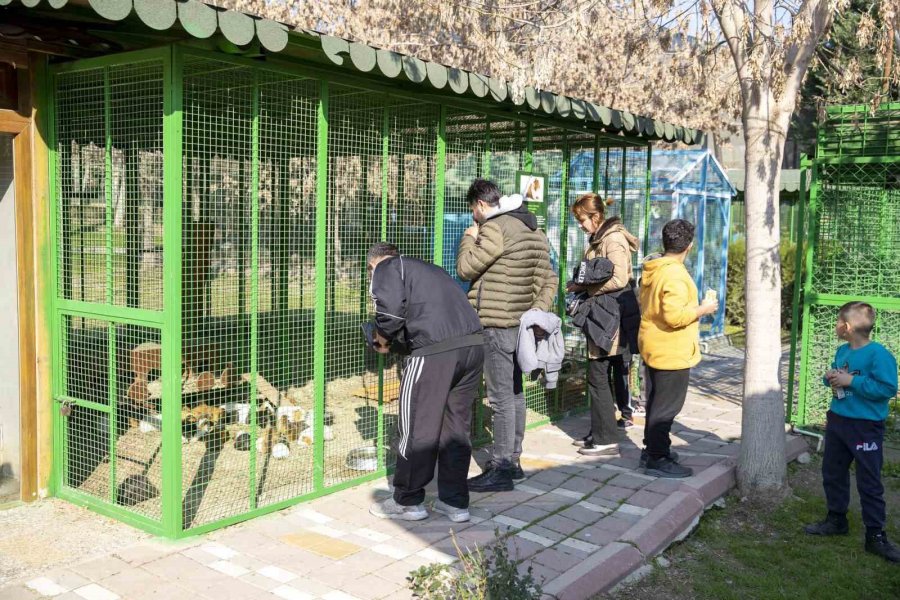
(49, 259)
(529, 147)
(321, 286)
(563, 247)
(798, 283)
(107, 191)
(112, 416)
(440, 171)
(485, 166)
(647, 192)
(623, 186)
(385, 192)
(606, 175)
(172, 515)
(254, 284)
(595, 164)
(810, 238)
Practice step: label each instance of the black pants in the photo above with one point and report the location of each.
(436, 397)
(619, 376)
(603, 408)
(666, 393)
(848, 440)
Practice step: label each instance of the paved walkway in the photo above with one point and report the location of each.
(581, 523)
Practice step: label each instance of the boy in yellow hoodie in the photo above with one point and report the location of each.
(669, 340)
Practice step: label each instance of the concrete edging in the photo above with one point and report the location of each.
(669, 522)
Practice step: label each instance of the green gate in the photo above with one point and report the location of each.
(851, 242)
(211, 216)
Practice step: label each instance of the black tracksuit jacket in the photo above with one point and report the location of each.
(419, 306)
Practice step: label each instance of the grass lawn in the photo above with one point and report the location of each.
(746, 551)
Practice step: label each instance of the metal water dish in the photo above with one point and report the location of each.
(364, 458)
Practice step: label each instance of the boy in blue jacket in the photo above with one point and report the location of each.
(863, 378)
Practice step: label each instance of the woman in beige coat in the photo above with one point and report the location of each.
(608, 239)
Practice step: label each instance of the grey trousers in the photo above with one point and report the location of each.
(505, 393)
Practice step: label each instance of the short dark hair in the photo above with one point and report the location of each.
(380, 249)
(861, 314)
(677, 235)
(484, 190)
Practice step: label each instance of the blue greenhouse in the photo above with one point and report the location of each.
(686, 184)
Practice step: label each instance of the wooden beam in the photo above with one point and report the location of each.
(43, 284)
(12, 122)
(22, 157)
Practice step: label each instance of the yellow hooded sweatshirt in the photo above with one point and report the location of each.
(669, 337)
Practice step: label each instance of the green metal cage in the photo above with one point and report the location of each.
(211, 216)
(851, 240)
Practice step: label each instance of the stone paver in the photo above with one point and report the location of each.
(581, 524)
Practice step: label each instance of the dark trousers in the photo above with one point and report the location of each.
(619, 376)
(666, 393)
(603, 407)
(848, 440)
(436, 396)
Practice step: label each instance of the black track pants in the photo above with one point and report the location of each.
(436, 397)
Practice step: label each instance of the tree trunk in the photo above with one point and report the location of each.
(762, 461)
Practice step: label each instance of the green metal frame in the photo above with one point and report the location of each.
(169, 320)
(854, 138)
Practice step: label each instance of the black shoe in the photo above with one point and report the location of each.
(673, 456)
(624, 423)
(497, 479)
(832, 525)
(879, 545)
(585, 441)
(667, 468)
(517, 473)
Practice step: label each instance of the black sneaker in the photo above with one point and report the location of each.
(673, 456)
(585, 441)
(667, 468)
(517, 473)
(496, 479)
(832, 525)
(879, 545)
(624, 423)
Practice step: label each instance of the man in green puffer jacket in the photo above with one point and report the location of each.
(507, 260)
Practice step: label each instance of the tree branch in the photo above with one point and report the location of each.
(799, 55)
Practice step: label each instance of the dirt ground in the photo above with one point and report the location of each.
(53, 533)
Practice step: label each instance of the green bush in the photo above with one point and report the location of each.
(735, 307)
(479, 576)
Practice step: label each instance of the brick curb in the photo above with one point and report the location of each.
(669, 522)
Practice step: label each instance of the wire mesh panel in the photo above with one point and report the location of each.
(81, 185)
(216, 290)
(286, 282)
(136, 186)
(356, 124)
(107, 201)
(86, 419)
(508, 143)
(858, 131)
(857, 241)
(854, 231)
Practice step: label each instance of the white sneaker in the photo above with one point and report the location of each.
(599, 449)
(457, 515)
(389, 509)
